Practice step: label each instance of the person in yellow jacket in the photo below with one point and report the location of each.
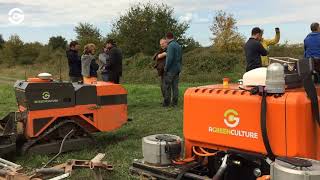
(269, 42)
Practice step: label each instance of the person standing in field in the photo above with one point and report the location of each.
(312, 42)
(89, 65)
(266, 43)
(312, 49)
(114, 65)
(254, 50)
(74, 62)
(160, 58)
(172, 71)
(104, 61)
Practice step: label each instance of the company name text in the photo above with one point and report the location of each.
(46, 101)
(234, 132)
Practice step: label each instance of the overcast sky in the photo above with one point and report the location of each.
(43, 19)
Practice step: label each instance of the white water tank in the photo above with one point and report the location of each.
(161, 149)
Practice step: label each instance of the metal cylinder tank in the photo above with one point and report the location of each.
(275, 82)
(161, 149)
(284, 171)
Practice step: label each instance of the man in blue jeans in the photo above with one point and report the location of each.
(172, 70)
(312, 49)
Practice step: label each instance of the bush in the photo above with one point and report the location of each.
(208, 65)
(29, 53)
(202, 65)
(287, 50)
(44, 55)
(139, 69)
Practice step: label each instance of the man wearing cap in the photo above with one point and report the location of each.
(172, 70)
(312, 47)
(254, 50)
(114, 65)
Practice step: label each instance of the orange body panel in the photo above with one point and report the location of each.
(107, 88)
(90, 80)
(303, 134)
(112, 117)
(223, 118)
(53, 114)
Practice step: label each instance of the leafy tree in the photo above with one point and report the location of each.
(56, 42)
(88, 33)
(1, 41)
(29, 53)
(141, 27)
(12, 50)
(44, 54)
(224, 30)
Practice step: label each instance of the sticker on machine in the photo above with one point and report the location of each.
(231, 119)
(46, 98)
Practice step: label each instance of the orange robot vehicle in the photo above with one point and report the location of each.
(246, 131)
(50, 110)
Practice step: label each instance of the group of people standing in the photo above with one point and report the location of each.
(256, 48)
(85, 68)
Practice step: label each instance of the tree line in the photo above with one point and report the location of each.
(136, 32)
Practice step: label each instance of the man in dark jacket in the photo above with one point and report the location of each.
(160, 58)
(312, 48)
(74, 62)
(114, 65)
(172, 70)
(254, 50)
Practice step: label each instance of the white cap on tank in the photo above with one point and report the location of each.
(255, 77)
(45, 76)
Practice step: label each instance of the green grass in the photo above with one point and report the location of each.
(7, 99)
(123, 145)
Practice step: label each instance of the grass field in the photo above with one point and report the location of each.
(123, 145)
